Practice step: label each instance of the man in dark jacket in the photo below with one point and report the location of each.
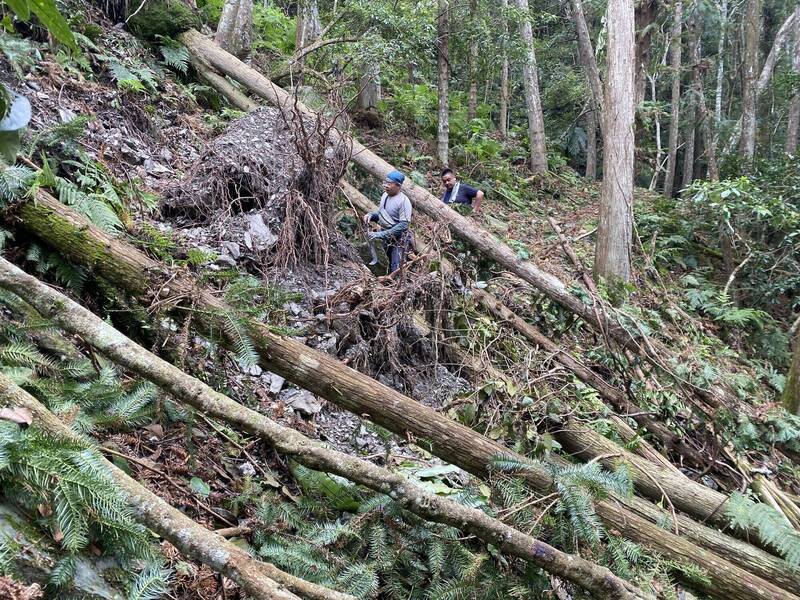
(456, 192)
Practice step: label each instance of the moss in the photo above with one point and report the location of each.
(166, 18)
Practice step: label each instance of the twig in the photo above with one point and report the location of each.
(171, 481)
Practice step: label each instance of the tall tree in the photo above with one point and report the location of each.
(586, 55)
(591, 143)
(690, 145)
(472, 97)
(369, 86)
(443, 63)
(504, 71)
(235, 27)
(752, 33)
(723, 24)
(645, 16)
(675, 105)
(794, 108)
(614, 233)
(533, 101)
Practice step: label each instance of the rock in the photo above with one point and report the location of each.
(225, 261)
(232, 248)
(247, 469)
(260, 234)
(154, 168)
(276, 383)
(302, 401)
(294, 308)
(248, 240)
(329, 344)
(253, 370)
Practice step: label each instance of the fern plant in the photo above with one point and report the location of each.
(578, 486)
(772, 527)
(378, 549)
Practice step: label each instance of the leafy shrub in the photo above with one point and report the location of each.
(166, 18)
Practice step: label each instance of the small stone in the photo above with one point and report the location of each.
(225, 261)
(261, 236)
(295, 308)
(303, 402)
(232, 248)
(254, 370)
(247, 469)
(276, 383)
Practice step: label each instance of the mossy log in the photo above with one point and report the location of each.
(598, 315)
(73, 318)
(121, 264)
(258, 579)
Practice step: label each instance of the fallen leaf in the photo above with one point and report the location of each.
(21, 416)
(156, 429)
(58, 535)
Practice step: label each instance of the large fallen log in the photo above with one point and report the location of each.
(729, 575)
(258, 579)
(204, 51)
(77, 320)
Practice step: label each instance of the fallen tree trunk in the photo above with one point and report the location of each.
(125, 266)
(598, 315)
(258, 579)
(74, 318)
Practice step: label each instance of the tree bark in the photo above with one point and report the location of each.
(308, 29)
(591, 144)
(504, 72)
(533, 103)
(614, 232)
(765, 75)
(699, 94)
(793, 124)
(690, 121)
(752, 34)
(206, 52)
(73, 318)
(235, 28)
(723, 18)
(586, 56)
(674, 119)
(472, 96)
(791, 389)
(443, 66)
(258, 579)
(369, 90)
(118, 262)
(645, 15)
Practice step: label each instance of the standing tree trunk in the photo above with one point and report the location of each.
(644, 17)
(723, 24)
(614, 232)
(698, 91)
(586, 56)
(307, 30)
(235, 28)
(591, 144)
(690, 133)
(443, 62)
(504, 72)
(472, 99)
(794, 108)
(752, 33)
(674, 119)
(369, 86)
(791, 389)
(532, 99)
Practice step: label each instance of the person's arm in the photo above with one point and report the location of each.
(371, 216)
(476, 205)
(397, 229)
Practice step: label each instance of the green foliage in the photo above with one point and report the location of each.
(133, 78)
(49, 16)
(14, 182)
(578, 486)
(772, 527)
(382, 551)
(175, 55)
(38, 469)
(165, 18)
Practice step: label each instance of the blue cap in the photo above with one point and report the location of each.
(396, 176)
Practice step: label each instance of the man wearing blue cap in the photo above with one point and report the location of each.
(393, 216)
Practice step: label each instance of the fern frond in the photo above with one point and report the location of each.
(236, 332)
(175, 56)
(772, 527)
(151, 584)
